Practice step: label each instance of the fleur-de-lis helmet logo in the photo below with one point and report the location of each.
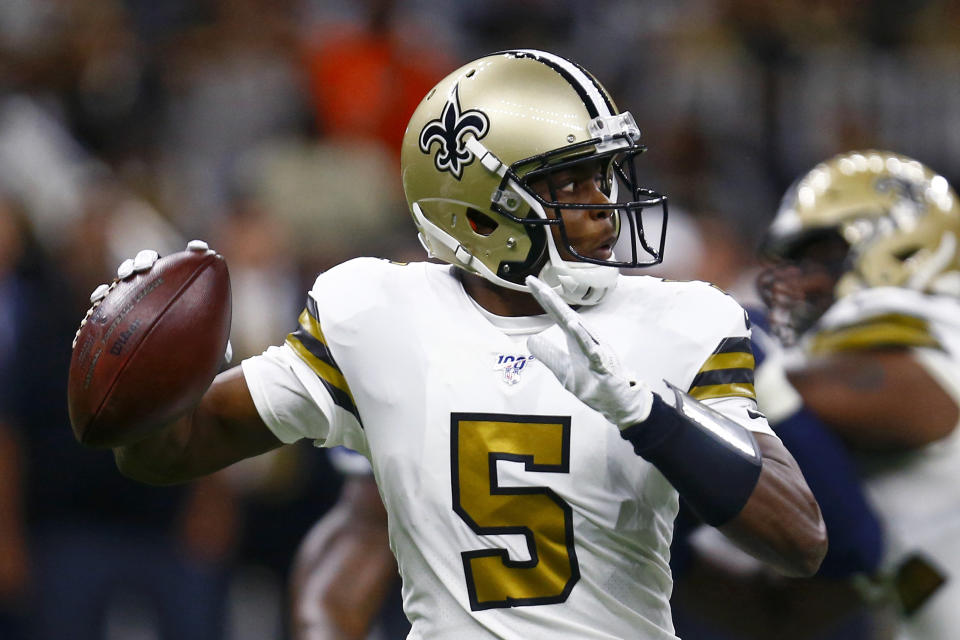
(449, 130)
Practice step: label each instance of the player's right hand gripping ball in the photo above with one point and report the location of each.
(150, 345)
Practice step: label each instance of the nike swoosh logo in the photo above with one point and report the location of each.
(756, 415)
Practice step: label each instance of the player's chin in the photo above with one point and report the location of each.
(603, 252)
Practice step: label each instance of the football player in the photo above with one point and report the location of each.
(343, 582)
(530, 463)
(865, 285)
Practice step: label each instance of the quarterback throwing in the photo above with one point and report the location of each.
(531, 416)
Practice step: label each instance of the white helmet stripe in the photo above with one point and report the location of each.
(594, 98)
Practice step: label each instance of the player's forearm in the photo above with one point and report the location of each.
(361, 584)
(344, 570)
(746, 484)
(873, 399)
(223, 429)
(781, 523)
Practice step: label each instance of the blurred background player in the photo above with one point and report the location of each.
(863, 297)
(344, 583)
(866, 292)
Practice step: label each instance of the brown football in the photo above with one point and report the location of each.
(148, 350)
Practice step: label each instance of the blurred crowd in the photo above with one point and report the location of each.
(271, 128)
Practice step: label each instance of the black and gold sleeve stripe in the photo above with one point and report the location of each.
(728, 372)
(884, 331)
(311, 346)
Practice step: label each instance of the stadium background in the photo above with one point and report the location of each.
(271, 129)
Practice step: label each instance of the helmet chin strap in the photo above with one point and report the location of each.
(573, 289)
(578, 283)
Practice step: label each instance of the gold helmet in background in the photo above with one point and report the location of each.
(900, 219)
(492, 128)
(859, 220)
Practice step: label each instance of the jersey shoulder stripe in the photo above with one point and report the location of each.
(308, 342)
(728, 372)
(887, 330)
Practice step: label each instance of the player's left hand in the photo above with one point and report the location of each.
(587, 368)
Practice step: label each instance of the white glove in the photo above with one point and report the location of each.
(587, 368)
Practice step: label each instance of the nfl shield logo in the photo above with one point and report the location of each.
(511, 366)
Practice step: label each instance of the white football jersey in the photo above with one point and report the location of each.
(916, 493)
(515, 511)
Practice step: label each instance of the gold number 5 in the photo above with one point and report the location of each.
(542, 443)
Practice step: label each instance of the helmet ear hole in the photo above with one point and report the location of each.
(481, 223)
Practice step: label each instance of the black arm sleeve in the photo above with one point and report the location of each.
(712, 461)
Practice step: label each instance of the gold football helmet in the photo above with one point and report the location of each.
(491, 130)
(896, 223)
